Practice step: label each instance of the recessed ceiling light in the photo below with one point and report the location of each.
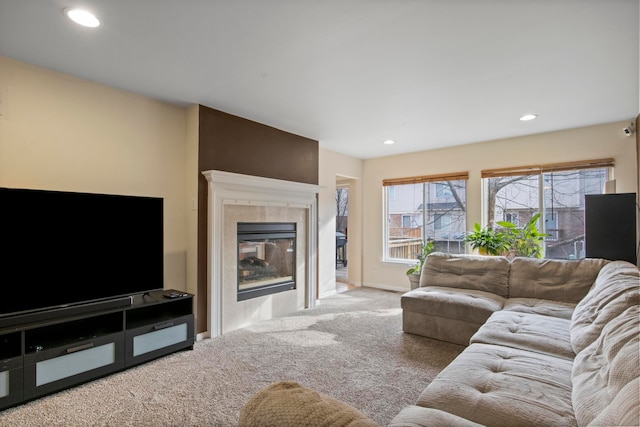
(389, 142)
(528, 117)
(82, 17)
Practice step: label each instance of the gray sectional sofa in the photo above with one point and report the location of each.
(549, 343)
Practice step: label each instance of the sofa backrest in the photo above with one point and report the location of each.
(605, 333)
(602, 374)
(477, 272)
(616, 288)
(553, 279)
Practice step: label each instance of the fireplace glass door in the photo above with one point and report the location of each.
(266, 258)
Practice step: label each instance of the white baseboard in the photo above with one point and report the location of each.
(327, 294)
(203, 336)
(387, 287)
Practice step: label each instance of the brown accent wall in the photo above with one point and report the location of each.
(233, 144)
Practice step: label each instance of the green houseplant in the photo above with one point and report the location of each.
(414, 272)
(508, 239)
(524, 241)
(488, 241)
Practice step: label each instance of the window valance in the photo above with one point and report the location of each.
(551, 167)
(426, 178)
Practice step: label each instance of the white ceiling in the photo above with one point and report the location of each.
(352, 73)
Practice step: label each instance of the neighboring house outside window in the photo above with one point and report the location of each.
(443, 190)
(557, 191)
(442, 222)
(420, 209)
(512, 217)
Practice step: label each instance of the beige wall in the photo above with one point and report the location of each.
(577, 144)
(63, 133)
(58, 132)
(192, 176)
(338, 167)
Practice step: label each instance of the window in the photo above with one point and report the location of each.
(551, 226)
(512, 217)
(556, 191)
(342, 209)
(442, 222)
(392, 193)
(443, 191)
(420, 209)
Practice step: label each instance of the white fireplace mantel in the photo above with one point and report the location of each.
(226, 188)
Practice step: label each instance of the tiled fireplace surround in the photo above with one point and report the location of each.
(237, 198)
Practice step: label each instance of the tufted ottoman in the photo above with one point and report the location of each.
(497, 385)
(527, 331)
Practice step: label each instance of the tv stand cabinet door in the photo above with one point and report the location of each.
(150, 342)
(10, 382)
(59, 368)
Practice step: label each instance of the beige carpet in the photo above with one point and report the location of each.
(350, 347)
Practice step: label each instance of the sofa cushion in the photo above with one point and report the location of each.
(552, 279)
(545, 307)
(526, 331)
(481, 273)
(603, 371)
(417, 416)
(533, 332)
(288, 404)
(501, 386)
(470, 305)
(616, 289)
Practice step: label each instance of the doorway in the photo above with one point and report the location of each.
(342, 236)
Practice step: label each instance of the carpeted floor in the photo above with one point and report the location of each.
(351, 347)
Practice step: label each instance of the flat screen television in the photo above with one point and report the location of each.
(64, 248)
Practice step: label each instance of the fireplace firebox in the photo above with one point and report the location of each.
(266, 258)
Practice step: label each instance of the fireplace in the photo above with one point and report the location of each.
(266, 258)
(235, 199)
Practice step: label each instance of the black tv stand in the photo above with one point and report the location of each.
(66, 311)
(45, 352)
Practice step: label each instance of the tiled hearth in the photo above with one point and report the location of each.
(235, 198)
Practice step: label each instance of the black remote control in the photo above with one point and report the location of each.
(174, 294)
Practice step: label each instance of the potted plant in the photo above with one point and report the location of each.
(414, 272)
(509, 239)
(524, 241)
(488, 241)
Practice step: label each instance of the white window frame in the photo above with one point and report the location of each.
(385, 213)
(541, 199)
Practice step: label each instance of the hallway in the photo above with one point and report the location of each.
(341, 280)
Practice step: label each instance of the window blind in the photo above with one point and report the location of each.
(426, 178)
(551, 167)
